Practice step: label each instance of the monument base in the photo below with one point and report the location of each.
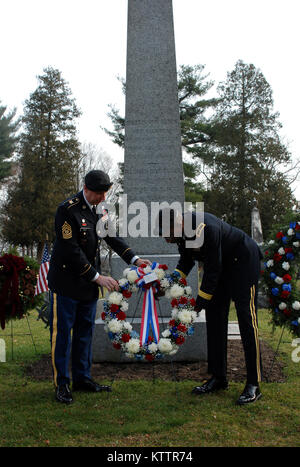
(195, 346)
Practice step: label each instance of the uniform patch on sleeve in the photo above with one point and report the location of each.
(66, 231)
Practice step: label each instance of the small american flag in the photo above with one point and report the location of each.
(42, 284)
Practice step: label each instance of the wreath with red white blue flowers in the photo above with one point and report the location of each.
(279, 277)
(148, 279)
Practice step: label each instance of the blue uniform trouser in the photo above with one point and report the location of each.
(67, 315)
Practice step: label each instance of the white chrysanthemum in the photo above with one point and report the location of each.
(282, 306)
(290, 232)
(286, 266)
(124, 305)
(271, 242)
(194, 315)
(281, 251)
(176, 291)
(152, 347)
(115, 298)
(126, 271)
(296, 305)
(174, 313)
(279, 280)
(270, 263)
(165, 283)
(296, 244)
(166, 333)
(115, 326)
(127, 326)
(175, 350)
(188, 290)
(185, 316)
(165, 345)
(133, 346)
(160, 273)
(123, 281)
(168, 293)
(132, 276)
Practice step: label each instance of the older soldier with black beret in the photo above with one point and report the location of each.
(231, 268)
(74, 278)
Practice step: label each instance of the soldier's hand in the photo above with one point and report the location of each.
(141, 261)
(108, 282)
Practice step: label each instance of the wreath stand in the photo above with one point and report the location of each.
(12, 335)
(152, 363)
(275, 355)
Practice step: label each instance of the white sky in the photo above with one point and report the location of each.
(86, 41)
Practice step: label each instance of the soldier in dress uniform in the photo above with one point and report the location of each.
(231, 269)
(74, 278)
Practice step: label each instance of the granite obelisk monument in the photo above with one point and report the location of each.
(153, 169)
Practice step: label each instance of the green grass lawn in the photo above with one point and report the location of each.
(140, 413)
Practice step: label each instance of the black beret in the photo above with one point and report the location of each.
(97, 180)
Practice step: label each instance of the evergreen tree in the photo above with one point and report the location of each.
(247, 152)
(8, 139)
(48, 158)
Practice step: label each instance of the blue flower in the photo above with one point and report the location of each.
(273, 275)
(111, 335)
(284, 239)
(298, 235)
(159, 355)
(138, 356)
(191, 331)
(275, 291)
(290, 256)
(287, 287)
(276, 310)
(295, 322)
(292, 225)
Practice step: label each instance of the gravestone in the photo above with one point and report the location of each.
(153, 169)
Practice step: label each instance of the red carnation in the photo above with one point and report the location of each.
(279, 235)
(172, 323)
(287, 278)
(193, 302)
(103, 316)
(266, 253)
(288, 250)
(182, 328)
(183, 281)
(297, 226)
(180, 340)
(149, 357)
(277, 257)
(117, 345)
(183, 300)
(163, 266)
(287, 312)
(121, 316)
(126, 293)
(126, 337)
(114, 308)
(284, 294)
(174, 303)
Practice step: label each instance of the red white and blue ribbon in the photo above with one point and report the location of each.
(149, 312)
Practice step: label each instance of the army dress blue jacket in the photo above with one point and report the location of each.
(75, 258)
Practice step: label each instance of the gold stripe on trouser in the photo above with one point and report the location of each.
(255, 328)
(54, 334)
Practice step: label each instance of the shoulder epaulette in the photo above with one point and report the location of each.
(71, 202)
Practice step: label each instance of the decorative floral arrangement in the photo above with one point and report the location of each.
(150, 280)
(280, 276)
(18, 278)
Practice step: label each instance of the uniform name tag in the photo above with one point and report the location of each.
(150, 277)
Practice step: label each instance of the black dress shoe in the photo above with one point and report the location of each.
(90, 386)
(251, 393)
(63, 394)
(212, 385)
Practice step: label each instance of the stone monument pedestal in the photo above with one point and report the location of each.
(195, 346)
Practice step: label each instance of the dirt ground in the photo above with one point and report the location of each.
(272, 369)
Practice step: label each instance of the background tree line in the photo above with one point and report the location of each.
(234, 155)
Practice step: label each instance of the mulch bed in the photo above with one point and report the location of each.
(272, 370)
